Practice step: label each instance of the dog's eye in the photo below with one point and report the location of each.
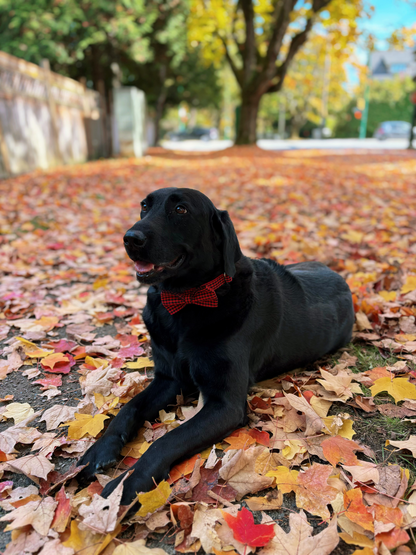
(181, 209)
(144, 206)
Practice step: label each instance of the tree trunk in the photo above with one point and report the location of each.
(160, 104)
(246, 134)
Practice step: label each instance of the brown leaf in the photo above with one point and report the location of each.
(300, 540)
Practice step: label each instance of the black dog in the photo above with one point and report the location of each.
(269, 319)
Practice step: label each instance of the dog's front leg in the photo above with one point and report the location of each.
(216, 420)
(123, 428)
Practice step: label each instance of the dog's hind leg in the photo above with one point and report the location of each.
(123, 428)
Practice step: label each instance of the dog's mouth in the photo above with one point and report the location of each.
(147, 269)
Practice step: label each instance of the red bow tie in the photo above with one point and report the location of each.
(203, 296)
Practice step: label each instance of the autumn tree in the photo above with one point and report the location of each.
(146, 39)
(260, 41)
(314, 83)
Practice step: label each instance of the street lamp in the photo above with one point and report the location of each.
(413, 121)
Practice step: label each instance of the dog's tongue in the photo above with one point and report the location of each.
(142, 267)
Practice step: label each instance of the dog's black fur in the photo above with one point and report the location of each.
(270, 319)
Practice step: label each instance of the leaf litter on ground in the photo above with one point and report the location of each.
(75, 350)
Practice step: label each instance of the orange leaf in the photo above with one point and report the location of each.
(388, 515)
(245, 531)
(62, 512)
(240, 439)
(262, 438)
(183, 469)
(340, 450)
(356, 511)
(394, 538)
(314, 493)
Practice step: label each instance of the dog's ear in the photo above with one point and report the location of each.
(229, 242)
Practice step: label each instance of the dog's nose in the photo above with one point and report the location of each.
(134, 238)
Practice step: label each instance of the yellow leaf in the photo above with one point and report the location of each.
(32, 350)
(154, 499)
(137, 548)
(135, 449)
(141, 362)
(88, 542)
(345, 430)
(286, 480)
(100, 282)
(388, 295)
(293, 447)
(365, 551)
(18, 411)
(85, 424)
(409, 284)
(398, 388)
(96, 362)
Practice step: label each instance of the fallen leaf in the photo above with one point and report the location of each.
(356, 511)
(62, 513)
(398, 388)
(238, 470)
(39, 514)
(246, 532)
(313, 492)
(153, 500)
(409, 444)
(300, 541)
(340, 450)
(141, 362)
(32, 465)
(18, 411)
(286, 480)
(56, 415)
(101, 514)
(137, 548)
(85, 424)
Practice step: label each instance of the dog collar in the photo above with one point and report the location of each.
(203, 296)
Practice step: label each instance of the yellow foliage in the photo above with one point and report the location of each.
(85, 424)
(154, 499)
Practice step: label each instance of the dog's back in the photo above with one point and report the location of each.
(316, 313)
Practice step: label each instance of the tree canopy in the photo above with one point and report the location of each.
(260, 40)
(147, 39)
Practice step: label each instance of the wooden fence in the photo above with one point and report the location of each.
(46, 119)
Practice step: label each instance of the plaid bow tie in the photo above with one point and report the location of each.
(203, 296)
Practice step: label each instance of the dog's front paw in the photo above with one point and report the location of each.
(130, 486)
(102, 454)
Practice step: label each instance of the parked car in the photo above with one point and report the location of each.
(199, 133)
(392, 130)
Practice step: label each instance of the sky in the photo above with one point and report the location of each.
(387, 16)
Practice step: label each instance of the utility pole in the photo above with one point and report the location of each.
(325, 86)
(282, 120)
(364, 119)
(413, 122)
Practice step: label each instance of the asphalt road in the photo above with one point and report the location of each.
(275, 144)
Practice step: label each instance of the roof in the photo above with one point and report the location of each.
(386, 64)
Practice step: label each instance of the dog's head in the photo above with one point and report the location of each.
(181, 237)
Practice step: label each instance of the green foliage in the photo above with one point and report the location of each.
(147, 40)
(389, 101)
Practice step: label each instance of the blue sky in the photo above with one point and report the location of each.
(387, 16)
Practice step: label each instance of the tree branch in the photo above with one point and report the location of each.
(281, 20)
(250, 49)
(237, 72)
(296, 43)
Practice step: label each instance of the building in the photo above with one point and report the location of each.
(389, 63)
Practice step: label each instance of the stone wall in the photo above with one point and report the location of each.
(44, 117)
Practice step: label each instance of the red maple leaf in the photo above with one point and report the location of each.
(245, 531)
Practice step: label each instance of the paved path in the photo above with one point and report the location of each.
(274, 144)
